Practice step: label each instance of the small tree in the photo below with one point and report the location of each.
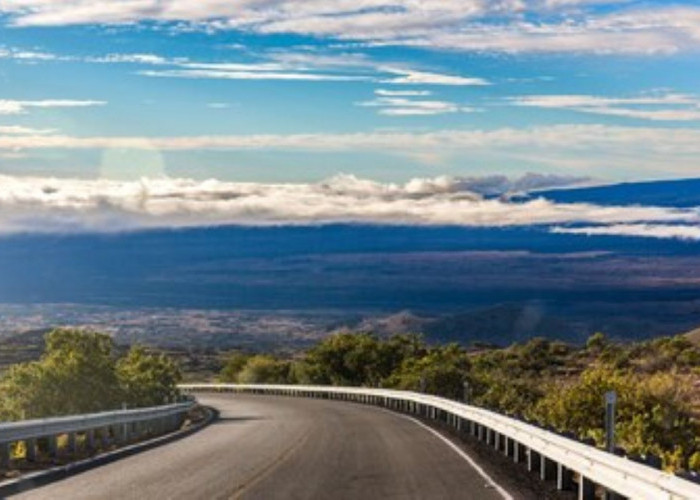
(443, 371)
(148, 379)
(76, 374)
(234, 364)
(264, 370)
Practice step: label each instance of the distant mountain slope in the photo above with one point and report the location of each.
(675, 193)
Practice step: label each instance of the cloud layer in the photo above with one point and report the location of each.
(661, 231)
(660, 107)
(665, 140)
(578, 147)
(623, 26)
(65, 205)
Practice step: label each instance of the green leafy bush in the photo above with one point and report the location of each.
(555, 384)
(79, 373)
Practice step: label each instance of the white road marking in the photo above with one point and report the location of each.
(460, 452)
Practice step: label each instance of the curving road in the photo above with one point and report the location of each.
(285, 448)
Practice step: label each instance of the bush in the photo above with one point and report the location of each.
(147, 379)
(234, 365)
(79, 373)
(653, 413)
(76, 374)
(441, 371)
(264, 370)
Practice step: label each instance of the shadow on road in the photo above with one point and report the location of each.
(233, 420)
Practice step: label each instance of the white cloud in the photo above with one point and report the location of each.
(402, 93)
(402, 106)
(414, 77)
(308, 64)
(472, 25)
(247, 75)
(153, 59)
(14, 107)
(641, 151)
(662, 231)
(654, 30)
(299, 65)
(572, 138)
(21, 130)
(28, 55)
(662, 107)
(59, 205)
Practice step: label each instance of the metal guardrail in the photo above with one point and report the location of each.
(554, 457)
(121, 425)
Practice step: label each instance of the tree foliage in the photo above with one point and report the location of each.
(79, 373)
(147, 379)
(551, 383)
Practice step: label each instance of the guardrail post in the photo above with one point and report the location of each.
(586, 488)
(104, 436)
(90, 439)
(53, 446)
(533, 460)
(124, 431)
(497, 441)
(5, 455)
(30, 445)
(516, 452)
(548, 469)
(564, 478)
(72, 443)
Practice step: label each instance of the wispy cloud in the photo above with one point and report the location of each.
(247, 75)
(663, 107)
(311, 66)
(471, 25)
(288, 64)
(654, 30)
(676, 141)
(28, 55)
(144, 58)
(645, 151)
(14, 107)
(60, 205)
(661, 231)
(414, 77)
(410, 103)
(21, 130)
(402, 93)
(396, 106)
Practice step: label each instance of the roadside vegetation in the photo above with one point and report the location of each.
(549, 383)
(82, 372)
(552, 384)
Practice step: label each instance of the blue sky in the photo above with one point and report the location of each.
(559, 78)
(340, 101)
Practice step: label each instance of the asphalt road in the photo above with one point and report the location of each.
(286, 448)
